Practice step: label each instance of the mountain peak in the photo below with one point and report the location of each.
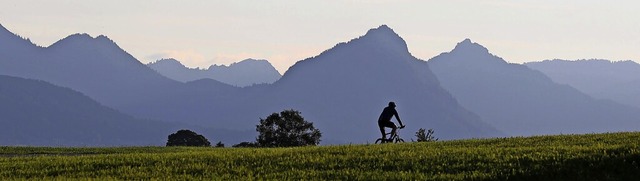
(253, 61)
(78, 36)
(167, 62)
(247, 64)
(382, 29)
(466, 41)
(470, 47)
(84, 39)
(374, 47)
(248, 61)
(468, 53)
(384, 36)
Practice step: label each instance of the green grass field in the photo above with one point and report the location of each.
(614, 156)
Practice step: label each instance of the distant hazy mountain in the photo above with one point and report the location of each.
(37, 113)
(522, 101)
(343, 90)
(346, 87)
(244, 73)
(100, 69)
(96, 67)
(604, 79)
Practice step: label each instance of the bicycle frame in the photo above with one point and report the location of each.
(395, 138)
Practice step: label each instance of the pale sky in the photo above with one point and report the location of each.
(202, 33)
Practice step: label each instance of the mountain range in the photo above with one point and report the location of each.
(378, 64)
(603, 79)
(522, 101)
(37, 113)
(97, 67)
(351, 83)
(342, 91)
(244, 73)
(465, 93)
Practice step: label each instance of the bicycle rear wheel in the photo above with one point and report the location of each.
(379, 140)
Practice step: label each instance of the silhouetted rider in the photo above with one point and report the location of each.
(385, 119)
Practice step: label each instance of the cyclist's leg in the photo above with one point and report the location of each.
(393, 129)
(388, 124)
(384, 136)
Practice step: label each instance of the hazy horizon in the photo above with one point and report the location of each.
(200, 34)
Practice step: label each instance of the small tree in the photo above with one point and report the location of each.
(286, 129)
(425, 137)
(220, 144)
(187, 138)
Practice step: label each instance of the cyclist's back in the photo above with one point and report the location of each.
(387, 114)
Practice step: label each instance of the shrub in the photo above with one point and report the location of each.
(425, 137)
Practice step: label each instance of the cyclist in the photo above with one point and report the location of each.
(385, 119)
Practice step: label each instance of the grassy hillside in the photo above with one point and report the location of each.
(613, 156)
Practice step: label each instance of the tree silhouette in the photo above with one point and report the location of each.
(187, 138)
(285, 130)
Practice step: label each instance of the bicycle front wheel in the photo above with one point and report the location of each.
(379, 140)
(400, 140)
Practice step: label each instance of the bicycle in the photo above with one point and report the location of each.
(395, 138)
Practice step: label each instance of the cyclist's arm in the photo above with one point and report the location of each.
(398, 118)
